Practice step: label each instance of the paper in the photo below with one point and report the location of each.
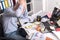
(57, 33)
(58, 22)
(38, 36)
(50, 35)
(24, 20)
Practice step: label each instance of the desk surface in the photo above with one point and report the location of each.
(31, 30)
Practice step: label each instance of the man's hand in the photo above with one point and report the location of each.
(23, 3)
(20, 2)
(16, 6)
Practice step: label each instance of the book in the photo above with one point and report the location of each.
(6, 3)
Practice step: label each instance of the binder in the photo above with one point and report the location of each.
(3, 6)
(9, 1)
(6, 3)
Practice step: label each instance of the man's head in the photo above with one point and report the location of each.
(20, 2)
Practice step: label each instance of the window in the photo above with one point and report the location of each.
(28, 1)
(29, 7)
(34, 6)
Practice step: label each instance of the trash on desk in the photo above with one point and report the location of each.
(29, 26)
(58, 22)
(52, 28)
(49, 14)
(36, 23)
(51, 22)
(57, 34)
(38, 18)
(44, 19)
(24, 20)
(38, 28)
(57, 29)
(38, 36)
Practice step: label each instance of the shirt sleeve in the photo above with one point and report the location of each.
(19, 11)
(10, 12)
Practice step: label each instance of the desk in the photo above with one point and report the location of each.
(50, 35)
(31, 30)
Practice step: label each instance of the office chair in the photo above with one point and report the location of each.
(55, 16)
(2, 37)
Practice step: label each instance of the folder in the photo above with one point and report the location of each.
(58, 22)
(57, 29)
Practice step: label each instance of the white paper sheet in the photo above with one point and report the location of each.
(57, 33)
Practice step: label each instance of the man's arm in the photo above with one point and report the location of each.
(16, 11)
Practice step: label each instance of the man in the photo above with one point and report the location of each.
(10, 19)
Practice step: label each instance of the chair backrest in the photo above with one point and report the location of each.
(1, 27)
(55, 14)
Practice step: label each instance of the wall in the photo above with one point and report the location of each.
(37, 5)
(50, 4)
